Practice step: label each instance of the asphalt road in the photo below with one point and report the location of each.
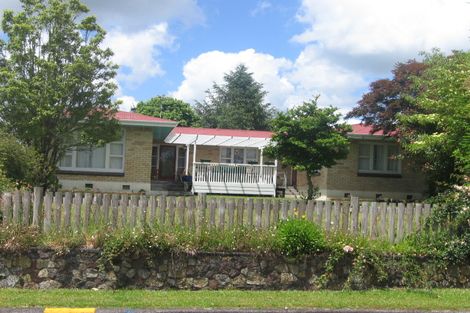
(41, 310)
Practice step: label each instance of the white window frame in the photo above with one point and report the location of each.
(108, 155)
(232, 154)
(371, 159)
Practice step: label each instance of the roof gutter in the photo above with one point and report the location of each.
(147, 123)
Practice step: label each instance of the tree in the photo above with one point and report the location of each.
(18, 164)
(308, 138)
(389, 97)
(169, 108)
(438, 137)
(238, 103)
(56, 80)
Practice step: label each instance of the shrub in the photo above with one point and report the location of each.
(298, 236)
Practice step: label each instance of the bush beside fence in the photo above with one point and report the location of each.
(78, 211)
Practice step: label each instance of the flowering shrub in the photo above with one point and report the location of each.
(299, 236)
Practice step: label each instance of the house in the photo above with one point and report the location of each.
(156, 156)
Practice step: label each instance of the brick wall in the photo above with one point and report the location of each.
(343, 178)
(137, 160)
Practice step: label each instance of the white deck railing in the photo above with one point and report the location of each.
(234, 173)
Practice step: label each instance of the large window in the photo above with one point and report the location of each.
(379, 158)
(108, 158)
(239, 155)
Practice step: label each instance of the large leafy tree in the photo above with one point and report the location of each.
(438, 137)
(238, 103)
(388, 97)
(56, 80)
(169, 108)
(308, 138)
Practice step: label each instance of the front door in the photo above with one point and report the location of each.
(167, 163)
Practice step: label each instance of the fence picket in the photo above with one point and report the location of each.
(327, 216)
(221, 213)
(292, 209)
(191, 217)
(409, 218)
(401, 228)
(67, 209)
(417, 216)
(365, 218)
(47, 211)
(373, 220)
(77, 208)
(391, 231)
(309, 209)
(240, 209)
(383, 219)
(115, 209)
(58, 198)
(275, 211)
(181, 204)
(26, 201)
(267, 213)
(16, 207)
(231, 212)
(96, 207)
(212, 208)
(106, 205)
(345, 216)
(284, 209)
(37, 201)
(171, 210)
(336, 214)
(249, 211)
(259, 212)
(355, 215)
(153, 210)
(87, 202)
(143, 206)
(162, 205)
(134, 206)
(319, 210)
(202, 207)
(302, 208)
(7, 204)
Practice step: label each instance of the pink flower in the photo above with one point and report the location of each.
(285, 134)
(348, 249)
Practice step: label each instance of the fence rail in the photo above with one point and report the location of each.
(77, 211)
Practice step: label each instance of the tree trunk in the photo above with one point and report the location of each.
(310, 190)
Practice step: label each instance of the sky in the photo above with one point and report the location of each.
(296, 48)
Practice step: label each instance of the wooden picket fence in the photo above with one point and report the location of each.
(78, 211)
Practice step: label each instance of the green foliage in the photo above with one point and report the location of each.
(18, 164)
(56, 80)
(308, 138)
(298, 237)
(169, 108)
(438, 138)
(238, 103)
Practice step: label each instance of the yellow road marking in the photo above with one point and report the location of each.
(69, 310)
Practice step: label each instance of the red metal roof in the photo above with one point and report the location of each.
(132, 116)
(361, 129)
(223, 132)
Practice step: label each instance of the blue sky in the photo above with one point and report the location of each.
(296, 48)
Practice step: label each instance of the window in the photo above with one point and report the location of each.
(378, 158)
(181, 160)
(108, 158)
(239, 155)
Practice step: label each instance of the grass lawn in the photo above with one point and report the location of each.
(436, 299)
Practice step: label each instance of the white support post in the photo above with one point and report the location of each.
(186, 170)
(194, 161)
(261, 166)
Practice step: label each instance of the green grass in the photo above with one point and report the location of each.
(437, 299)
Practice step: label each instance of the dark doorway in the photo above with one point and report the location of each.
(167, 163)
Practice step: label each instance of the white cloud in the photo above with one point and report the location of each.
(288, 83)
(384, 26)
(261, 7)
(201, 71)
(137, 53)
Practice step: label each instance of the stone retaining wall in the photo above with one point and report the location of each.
(79, 268)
